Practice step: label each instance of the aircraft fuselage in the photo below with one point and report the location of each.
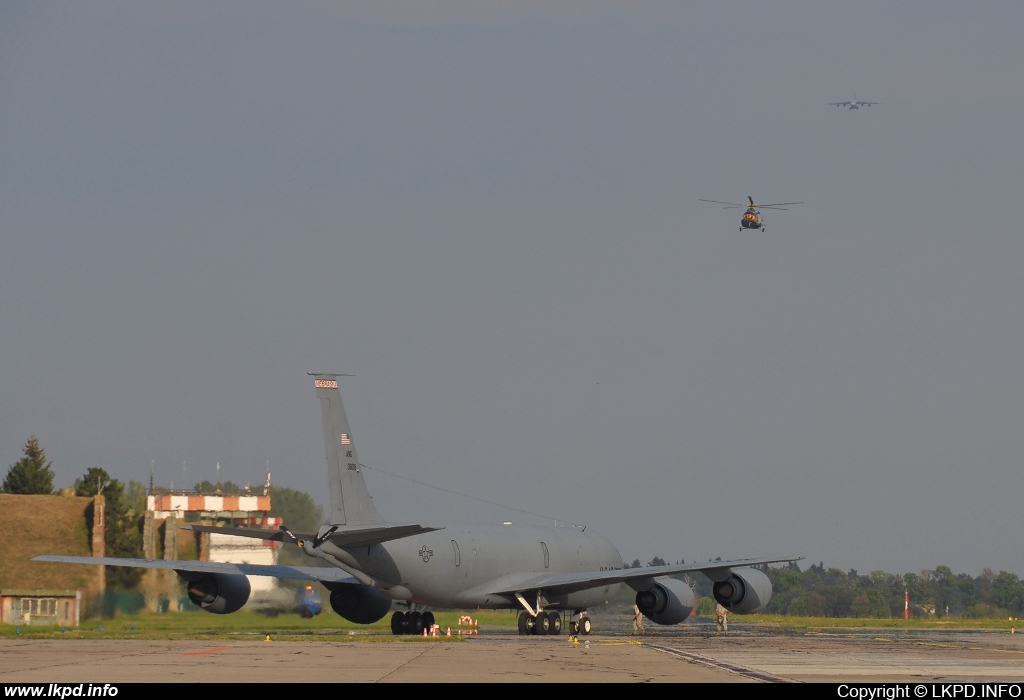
(461, 567)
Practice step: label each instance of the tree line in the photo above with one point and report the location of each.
(832, 592)
(937, 592)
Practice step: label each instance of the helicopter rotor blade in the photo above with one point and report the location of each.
(731, 204)
(779, 204)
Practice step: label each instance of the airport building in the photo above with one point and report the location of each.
(48, 593)
(163, 538)
(45, 593)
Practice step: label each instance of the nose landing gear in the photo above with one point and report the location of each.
(581, 626)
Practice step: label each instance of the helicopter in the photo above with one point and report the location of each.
(752, 217)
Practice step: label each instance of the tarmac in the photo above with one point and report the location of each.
(689, 655)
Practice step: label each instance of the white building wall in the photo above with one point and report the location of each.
(232, 549)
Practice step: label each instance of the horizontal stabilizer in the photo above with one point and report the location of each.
(343, 535)
(298, 573)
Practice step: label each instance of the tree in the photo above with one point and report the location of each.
(94, 482)
(135, 497)
(915, 588)
(300, 514)
(32, 474)
(298, 510)
(122, 537)
(228, 488)
(1008, 592)
(942, 588)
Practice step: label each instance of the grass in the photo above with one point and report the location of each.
(247, 625)
(814, 624)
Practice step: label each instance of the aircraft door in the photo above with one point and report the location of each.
(458, 557)
(547, 556)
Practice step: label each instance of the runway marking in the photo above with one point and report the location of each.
(618, 642)
(966, 647)
(206, 651)
(722, 665)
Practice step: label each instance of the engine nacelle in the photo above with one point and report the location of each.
(357, 603)
(745, 591)
(217, 593)
(668, 602)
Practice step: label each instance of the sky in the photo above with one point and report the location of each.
(489, 214)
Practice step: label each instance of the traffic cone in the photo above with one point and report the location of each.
(449, 631)
(425, 632)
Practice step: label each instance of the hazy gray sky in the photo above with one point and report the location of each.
(489, 213)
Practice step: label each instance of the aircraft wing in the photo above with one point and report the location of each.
(343, 535)
(840, 104)
(638, 579)
(299, 573)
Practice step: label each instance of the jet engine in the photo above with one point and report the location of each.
(744, 591)
(217, 593)
(358, 603)
(668, 602)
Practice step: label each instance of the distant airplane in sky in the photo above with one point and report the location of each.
(852, 105)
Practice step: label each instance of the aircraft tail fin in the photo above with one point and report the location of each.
(350, 500)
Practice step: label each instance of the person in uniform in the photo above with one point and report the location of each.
(638, 622)
(722, 616)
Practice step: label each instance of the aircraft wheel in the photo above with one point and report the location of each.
(585, 625)
(398, 623)
(555, 622)
(524, 623)
(574, 628)
(427, 620)
(542, 624)
(415, 623)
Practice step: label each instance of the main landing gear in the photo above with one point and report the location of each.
(549, 622)
(412, 622)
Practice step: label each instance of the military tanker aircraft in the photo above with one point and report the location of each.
(546, 573)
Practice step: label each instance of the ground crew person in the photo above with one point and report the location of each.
(723, 619)
(638, 621)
